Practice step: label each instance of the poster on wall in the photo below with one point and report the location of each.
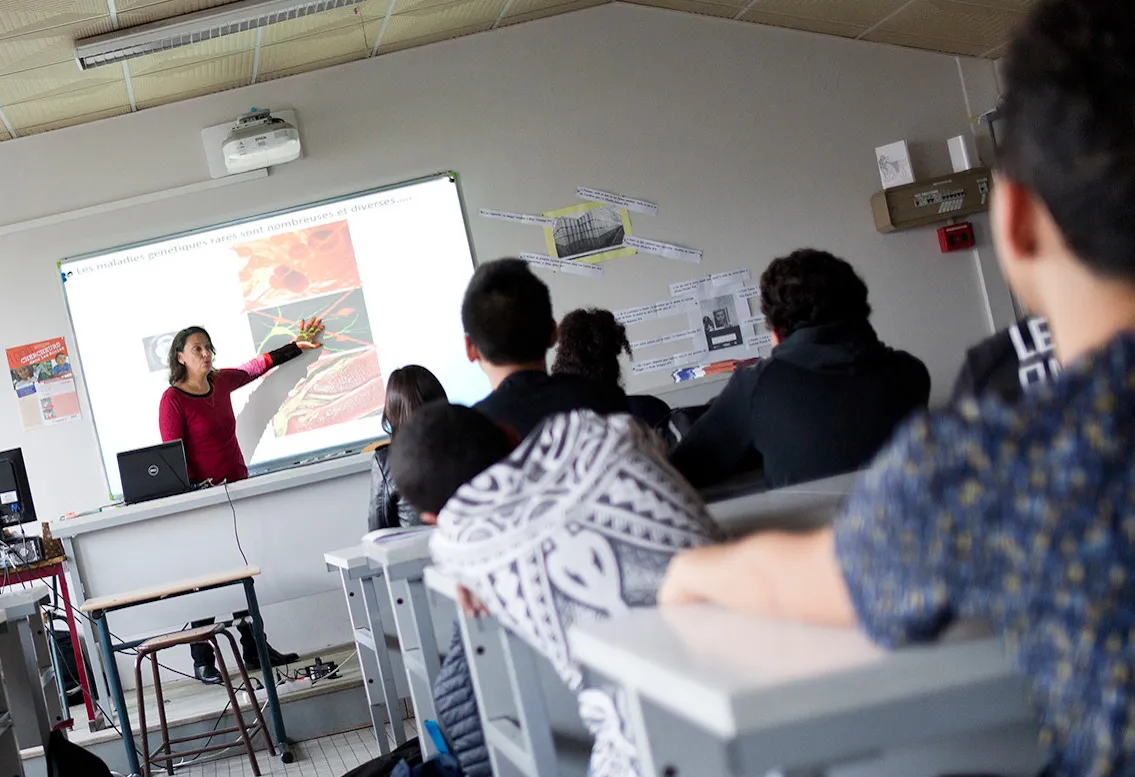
(588, 233)
(44, 384)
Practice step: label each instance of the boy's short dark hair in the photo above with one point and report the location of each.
(507, 313)
(1069, 138)
(811, 288)
(441, 448)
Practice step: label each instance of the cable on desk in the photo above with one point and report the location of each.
(236, 531)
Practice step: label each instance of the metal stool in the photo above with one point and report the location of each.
(207, 634)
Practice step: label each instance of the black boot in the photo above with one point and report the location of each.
(252, 657)
(207, 673)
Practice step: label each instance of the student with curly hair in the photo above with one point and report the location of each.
(828, 397)
(591, 341)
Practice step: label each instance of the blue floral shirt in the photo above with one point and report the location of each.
(1023, 517)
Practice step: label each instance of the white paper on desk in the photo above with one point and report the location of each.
(688, 334)
(563, 265)
(517, 218)
(630, 203)
(663, 309)
(665, 250)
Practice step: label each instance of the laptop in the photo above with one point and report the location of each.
(154, 472)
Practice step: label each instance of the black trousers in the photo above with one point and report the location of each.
(202, 652)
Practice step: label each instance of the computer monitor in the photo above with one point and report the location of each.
(16, 505)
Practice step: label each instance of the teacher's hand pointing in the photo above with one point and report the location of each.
(310, 330)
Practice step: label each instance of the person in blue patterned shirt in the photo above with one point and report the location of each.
(1022, 516)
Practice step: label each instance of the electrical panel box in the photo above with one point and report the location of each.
(942, 199)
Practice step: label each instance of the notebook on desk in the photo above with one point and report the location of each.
(154, 472)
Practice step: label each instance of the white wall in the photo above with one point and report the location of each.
(753, 141)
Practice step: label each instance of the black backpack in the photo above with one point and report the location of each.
(66, 759)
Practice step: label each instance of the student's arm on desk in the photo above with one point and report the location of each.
(771, 574)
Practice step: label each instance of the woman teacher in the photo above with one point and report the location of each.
(197, 409)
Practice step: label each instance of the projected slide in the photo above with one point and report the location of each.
(385, 270)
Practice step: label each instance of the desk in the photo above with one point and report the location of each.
(285, 521)
(713, 692)
(798, 507)
(28, 675)
(57, 568)
(98, 609)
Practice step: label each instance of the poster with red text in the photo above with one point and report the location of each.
(43, 382)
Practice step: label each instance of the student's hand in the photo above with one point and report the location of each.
(679, 586)
(310, 330)
(469, 603)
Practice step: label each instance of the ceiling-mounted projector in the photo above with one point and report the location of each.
(260, 140)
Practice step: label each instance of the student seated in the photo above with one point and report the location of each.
(407, 390)
(509, 327)
(589, 346)
(1010, 364)
(586, 511)
(1022, 516)
(828, 397)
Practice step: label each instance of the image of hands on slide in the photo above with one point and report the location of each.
(337, 389)
(344, 316)
(295, 265)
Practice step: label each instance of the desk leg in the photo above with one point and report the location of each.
(84, 681)
(115, 683)
(287, 756)
(374, 591)
(94, 653)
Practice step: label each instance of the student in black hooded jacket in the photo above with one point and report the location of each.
(828, 397)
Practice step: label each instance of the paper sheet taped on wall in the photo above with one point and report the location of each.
(562, 265)
(747, 292)
(517, 218)
(707, 283)
(677, 337)
(663, 309)
(630, 203)
(666, 362)
(665, 250)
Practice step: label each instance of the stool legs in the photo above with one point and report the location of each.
(233, 701)
(141, 713)
(243, 669)
(161, 714)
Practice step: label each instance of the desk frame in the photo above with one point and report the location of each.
(98, 617)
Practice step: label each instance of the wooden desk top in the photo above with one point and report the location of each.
(154, 593)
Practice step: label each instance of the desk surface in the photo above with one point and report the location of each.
(262, 484)
(733, 674)
(22, 604)
(157, 592)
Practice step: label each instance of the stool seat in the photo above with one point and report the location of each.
(184, 637)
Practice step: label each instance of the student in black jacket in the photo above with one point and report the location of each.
(509, 327)
(1011, 363)
(828, 397)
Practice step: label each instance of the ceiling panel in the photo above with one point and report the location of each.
(216, 74)
(528, 10)
(721, 10)
(53, 80)
(859, 13)
(71, 121)
(827, 27)
(439, 21)
(966, 27)
(4, 133)
(132, 13)
(343, 43)
(26, 17)
(196, 53)
(49, 46)
(57, 110)
(316, 24)
(306, 67)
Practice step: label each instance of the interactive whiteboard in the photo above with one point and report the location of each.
(386, 269)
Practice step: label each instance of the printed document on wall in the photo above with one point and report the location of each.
(44, 384)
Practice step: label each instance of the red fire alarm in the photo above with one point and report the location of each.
(956, 237)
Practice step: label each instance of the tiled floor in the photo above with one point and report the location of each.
(331, 756)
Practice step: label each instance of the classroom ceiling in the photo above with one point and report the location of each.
(42, 88)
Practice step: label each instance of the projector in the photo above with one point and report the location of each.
(260, 140)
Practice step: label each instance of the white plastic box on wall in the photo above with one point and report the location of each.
(213, 137)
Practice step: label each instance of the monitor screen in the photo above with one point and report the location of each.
(16, 505)
(385, 270)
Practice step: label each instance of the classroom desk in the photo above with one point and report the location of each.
(30, 707)
(713, 692)
(799, 507)
(285, 521)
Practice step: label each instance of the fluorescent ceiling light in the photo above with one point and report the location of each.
(195, 27)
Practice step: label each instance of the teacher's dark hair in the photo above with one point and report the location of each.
(177, 370)
(408, 389)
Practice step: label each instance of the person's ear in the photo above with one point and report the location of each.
(1016, 215)
(180, 358)
(429, 519)
(776, 338)
(471, 350)
(555, 338)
